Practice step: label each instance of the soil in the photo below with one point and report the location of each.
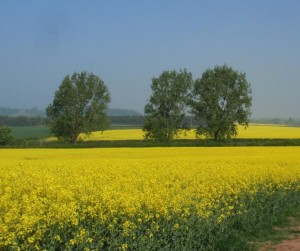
(292, 241)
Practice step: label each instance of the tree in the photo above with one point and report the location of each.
(165, 111)
(221, 100)
(79, 106)
(5, 135)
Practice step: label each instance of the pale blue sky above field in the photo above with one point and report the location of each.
(127, 43)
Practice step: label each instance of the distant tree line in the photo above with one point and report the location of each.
(130, 120)
(44, 121)
(134, 120)
(139, 121)
(23, 121)
(277, 121)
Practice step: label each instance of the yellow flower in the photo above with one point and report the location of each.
(72, 242)
(31, 240)
(221, 218)
(124, 246)
(129, 188)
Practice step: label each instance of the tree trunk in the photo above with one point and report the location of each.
(74, 138)
(216, 134)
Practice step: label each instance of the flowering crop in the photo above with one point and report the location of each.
(142, 198)
(253, 131)
(257, 131)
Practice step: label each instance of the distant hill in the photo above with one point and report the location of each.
(122, 112)
(34, 112)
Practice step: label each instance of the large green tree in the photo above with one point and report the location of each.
(221, 100)
(165, 111)
(79, 106)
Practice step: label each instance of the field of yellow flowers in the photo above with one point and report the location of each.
(257, 131)
(143, 198)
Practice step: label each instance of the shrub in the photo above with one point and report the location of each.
(5, 135)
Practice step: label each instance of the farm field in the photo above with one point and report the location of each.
(143, 198)
(128, 133)
(20, 132)
(258, 131)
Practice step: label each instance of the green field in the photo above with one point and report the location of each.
(25, 132)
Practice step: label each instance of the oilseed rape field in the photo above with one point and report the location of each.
(257, 131)
(143, 198)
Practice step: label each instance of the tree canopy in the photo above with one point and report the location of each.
(79, 106)
(221, 100)
(165, 111)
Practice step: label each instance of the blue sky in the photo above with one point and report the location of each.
(127, 43)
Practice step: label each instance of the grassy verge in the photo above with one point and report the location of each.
(286, 226)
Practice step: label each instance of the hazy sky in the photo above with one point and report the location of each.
(127, 43)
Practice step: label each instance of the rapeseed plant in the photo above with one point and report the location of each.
(142, 198)
(257, 131)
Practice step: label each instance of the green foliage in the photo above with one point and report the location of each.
(222, 99)
(5, 135)
(165, 111)
(79, 106)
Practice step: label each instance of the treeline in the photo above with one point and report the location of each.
(277, 121)
(136, 120)
(34, 112)
(23, 121)
(43, 121)
(191, 122)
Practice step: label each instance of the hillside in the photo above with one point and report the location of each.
(122, 112)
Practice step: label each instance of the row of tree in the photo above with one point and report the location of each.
(220, 100)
